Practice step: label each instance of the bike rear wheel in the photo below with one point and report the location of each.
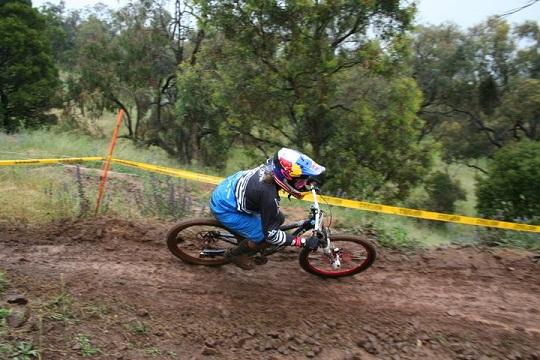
(201, 241)
(356, 253)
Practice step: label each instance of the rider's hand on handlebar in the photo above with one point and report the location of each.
(312, 243)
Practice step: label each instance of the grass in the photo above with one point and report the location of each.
(24, 351)
(4, 313)
(56, 143)
(95, 311)
(86, 347)
(42, 194)
(153, 351)
(137, 327)
(61, 307)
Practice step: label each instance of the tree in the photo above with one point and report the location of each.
(199, 125)
(443, 192)
(528, 58)
(62, 32)
(295, 52)
(510, 190)
(28, 78)
(373, 154)
(478, 90)
(128, 59)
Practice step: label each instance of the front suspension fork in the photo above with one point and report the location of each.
(332, 254)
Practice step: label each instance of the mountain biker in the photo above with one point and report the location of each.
(247, 203)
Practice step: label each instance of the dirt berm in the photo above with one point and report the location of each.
(109, 289)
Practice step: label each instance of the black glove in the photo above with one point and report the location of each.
(312, 243)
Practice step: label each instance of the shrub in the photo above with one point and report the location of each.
(442, 192)
(511, 190)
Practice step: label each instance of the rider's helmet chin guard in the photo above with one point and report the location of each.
(294, 171)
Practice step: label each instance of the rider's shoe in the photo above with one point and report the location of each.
(240, 256)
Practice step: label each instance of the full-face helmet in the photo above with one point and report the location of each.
(293, 171)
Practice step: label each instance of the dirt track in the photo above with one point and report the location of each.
(133, 300)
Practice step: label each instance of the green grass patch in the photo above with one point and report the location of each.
(137, 327)
(153, 351)
(507, 238)
(4, 313)
(86, 347)
(95, 311)
(61, 307)
(23, 350)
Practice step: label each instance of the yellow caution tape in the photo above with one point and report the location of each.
(428, 215)
(172, 172)
(352, 204)
(48, 161)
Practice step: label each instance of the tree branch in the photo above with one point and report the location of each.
(489, 132)
(353, 30)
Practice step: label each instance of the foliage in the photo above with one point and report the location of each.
(24, 351)
(127, 59)
(197, 131)
(480, 87)
(61, 30)
(290, 55)
(443, 192)
(510, 190)
(304, 75)
(137, 327)
(87, 349)
(28, 76)
(373, 153)
(505, 238)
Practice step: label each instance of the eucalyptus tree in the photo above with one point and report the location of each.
(128, 59)
(287, 56)
(480, 87)
(29, 82)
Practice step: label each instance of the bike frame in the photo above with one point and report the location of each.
(315, 223)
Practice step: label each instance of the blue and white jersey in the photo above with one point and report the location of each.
(258, 197)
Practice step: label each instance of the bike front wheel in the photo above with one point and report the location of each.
(201, 241)
(355, 253)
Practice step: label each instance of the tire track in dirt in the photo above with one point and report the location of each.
(453, 303)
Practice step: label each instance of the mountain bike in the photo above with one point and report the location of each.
(203, 241)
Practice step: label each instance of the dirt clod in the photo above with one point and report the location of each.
(18, 316)
(17, 299)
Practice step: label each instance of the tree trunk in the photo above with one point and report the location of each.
(194, 140)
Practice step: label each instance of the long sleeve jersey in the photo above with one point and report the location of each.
(254, 195)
